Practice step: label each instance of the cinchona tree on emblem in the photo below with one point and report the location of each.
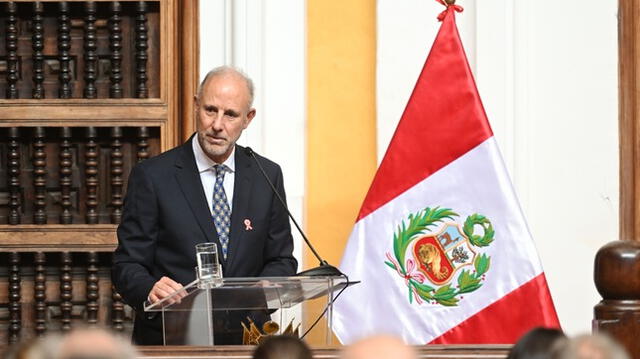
(438, 259)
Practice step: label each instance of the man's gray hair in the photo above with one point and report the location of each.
(223, 70)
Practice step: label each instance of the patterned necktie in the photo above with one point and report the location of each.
(221, 211)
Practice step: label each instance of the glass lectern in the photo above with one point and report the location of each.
(198, 314)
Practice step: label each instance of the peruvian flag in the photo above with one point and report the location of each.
(441, 246)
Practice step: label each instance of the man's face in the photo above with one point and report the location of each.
(222, 112)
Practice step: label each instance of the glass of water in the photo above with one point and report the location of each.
(209, 269)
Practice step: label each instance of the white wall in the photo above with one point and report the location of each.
(547, 74)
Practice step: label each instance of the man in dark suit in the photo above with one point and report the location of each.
(206, 190)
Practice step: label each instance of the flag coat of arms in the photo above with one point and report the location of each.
(440, 245)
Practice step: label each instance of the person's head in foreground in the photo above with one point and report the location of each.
(379, 347)
(538, 343)
(282, 347)
(87, 343)
(593, 346)
(94, 343)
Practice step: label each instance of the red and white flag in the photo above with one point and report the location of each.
(441, 246)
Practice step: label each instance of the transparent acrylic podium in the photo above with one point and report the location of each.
(201, 316)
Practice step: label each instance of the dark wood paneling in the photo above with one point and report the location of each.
(68, 49)
(87, 90)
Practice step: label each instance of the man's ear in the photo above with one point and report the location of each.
(250, 115)
(196, 105)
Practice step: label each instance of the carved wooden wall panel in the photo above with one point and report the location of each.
(80, 50)
(87, 90)
(65, 175)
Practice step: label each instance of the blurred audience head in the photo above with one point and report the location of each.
(538, 343)
(282, 347)
(87, 343)
(36, 348)
(379, 347)
(593, 346)
(94, 343)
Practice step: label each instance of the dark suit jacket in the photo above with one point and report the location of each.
(166, 214)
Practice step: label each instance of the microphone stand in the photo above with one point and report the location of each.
(324, 269)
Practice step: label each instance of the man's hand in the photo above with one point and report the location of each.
(164, 288)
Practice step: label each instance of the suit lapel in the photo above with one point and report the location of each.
(241, 195)
(188, 178)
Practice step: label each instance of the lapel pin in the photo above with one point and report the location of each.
(247, 225)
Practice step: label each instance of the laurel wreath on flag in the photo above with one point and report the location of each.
(468, 281)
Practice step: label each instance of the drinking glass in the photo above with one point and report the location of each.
(209, 270)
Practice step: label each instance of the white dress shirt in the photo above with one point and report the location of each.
(208, 173)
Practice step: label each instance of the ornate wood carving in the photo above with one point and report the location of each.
(15, 312)
(116, 175)
(40, 294)
(143, 144)
(65, 184)
(115, 44)
(90, 55)
(13, 168)
(12, 50)
(141, 50)
(92, 289)
(39, 177)
(37, 39)
(64, 45)
(66, 289)
(65, 176)
(55, 176)
(117, 311)
(91, 172)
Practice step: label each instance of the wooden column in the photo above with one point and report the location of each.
(37, 41)
(91, 174)
(40, 177)
(629, 108)
(64, 45)
(12, 50)
(65, 175)
(13, 166)
(15, 308)
(616, 274)
(92, 289)
(40, 294)
(90, 51)
(189, 62)
(66, 289)
(617, 264)
(141, 50)
(115, 44)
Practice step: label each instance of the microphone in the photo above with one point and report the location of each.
(324, 269)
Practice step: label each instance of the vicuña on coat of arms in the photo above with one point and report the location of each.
(438, 259)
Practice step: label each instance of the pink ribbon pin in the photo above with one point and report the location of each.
(247, 225)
